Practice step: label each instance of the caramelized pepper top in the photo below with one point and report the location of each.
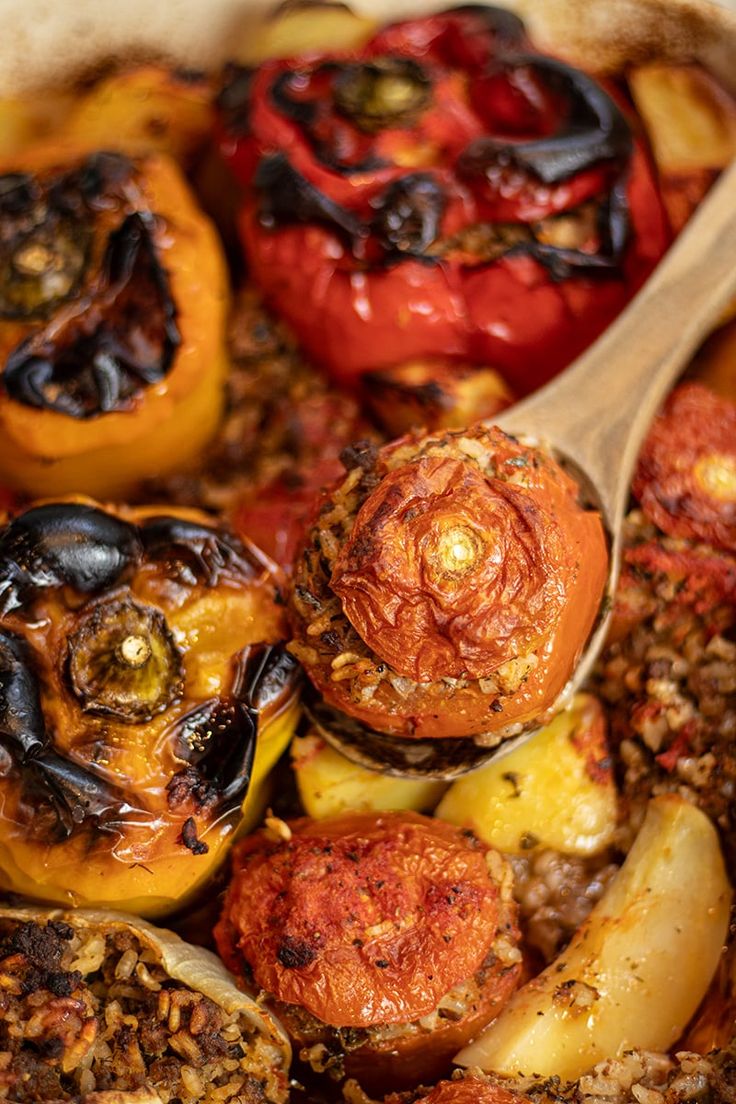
(448, 585)
(137, 666)
(361, 919)
(113, 293)
(69, 235)
(442, 191)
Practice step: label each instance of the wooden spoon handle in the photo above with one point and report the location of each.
(598, 411)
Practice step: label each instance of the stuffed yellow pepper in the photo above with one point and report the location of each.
(143, 697)
(112, 306)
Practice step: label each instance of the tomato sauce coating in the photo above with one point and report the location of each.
(360, 919)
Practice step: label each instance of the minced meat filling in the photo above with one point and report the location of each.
(669, 678)
(87, 1013)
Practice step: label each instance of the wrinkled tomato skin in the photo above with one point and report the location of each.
(413, 1058)
(420, 1059)
(466, 1090)
(694, 433)
(567, 550)
(360, 919)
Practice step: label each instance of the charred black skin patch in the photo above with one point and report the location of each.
(218, 739)
(408, 214)
(293, 954)
(84, 373)
(189, 838)
(90, 551)
(124, 336)
(64, 544)
(207, 555)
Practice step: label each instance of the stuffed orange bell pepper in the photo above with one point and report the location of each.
(143, 698)
(444, 191)
(112, 308)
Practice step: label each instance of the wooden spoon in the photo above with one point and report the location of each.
(594, 417)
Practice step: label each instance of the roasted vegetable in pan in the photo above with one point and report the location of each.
(443, 191)
(144, 695)
(447, 586)
(686, 476)
(382, 940)
(112, 304)
(146, 109)
(328, 783)
(636, 971)
(302, 28)
(557, 790)
(690, 121)
(435, 394)
(95, 1003)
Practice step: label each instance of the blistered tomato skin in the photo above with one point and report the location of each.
(421, 197)
(361, 919)
(142, 682)
(686, 475)
(446, 572)
(447, 586)
(465, 1090)
(112, 304)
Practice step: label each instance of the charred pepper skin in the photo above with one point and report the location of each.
(113, 296)
(431, 194)
(144, 695)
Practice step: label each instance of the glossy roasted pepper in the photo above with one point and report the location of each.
(112, 308)
(144, 697)
(447, 586)
(686, 476)
(144, 109)
(444, 191)
(381, 940)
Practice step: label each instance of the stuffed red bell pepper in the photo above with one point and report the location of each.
(444, 192)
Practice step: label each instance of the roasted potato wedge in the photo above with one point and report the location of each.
(557, 790)
(690, 120)
(329, 783)
(301, 28)
(637, 969)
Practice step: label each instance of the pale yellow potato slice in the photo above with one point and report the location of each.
(304, 29)
(636, 971)
(329, 783)
(557, 790)
(690, 119)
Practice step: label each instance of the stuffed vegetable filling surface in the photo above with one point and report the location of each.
(90, 1008)
(448, 585)
(257, 327)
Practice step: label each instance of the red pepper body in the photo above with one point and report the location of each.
(446, 192)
